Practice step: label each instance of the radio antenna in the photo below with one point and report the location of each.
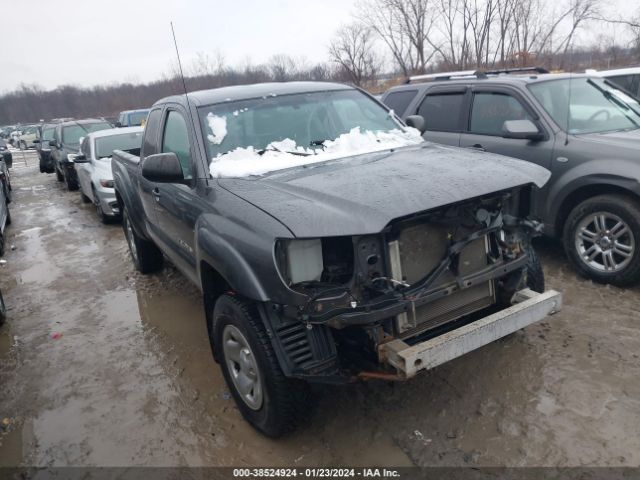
(566, 138)
(175, 43)
(184, 84)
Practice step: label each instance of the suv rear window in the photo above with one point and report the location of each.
(441, 111)
(399, 101)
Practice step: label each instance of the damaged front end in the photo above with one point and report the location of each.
(366, 298)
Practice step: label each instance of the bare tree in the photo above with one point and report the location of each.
(353, 50)
(404, 26)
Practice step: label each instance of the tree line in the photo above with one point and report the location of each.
(385, 41)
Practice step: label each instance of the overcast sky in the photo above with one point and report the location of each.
(88, 42)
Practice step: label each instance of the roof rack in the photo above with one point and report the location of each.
(473, 73)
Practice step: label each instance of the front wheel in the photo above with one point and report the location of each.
(601, 238)
(146, 256)
(272, 403)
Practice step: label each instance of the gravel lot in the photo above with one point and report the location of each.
(131, 380)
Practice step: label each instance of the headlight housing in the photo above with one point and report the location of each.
(300, 260)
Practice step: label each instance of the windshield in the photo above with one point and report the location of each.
(299, 125)
(135, 119)
(71, 134)
(591, 105)
(124, 141)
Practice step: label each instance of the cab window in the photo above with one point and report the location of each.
(176, 139)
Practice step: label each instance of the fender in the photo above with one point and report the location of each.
(605, 172)
(222, 253)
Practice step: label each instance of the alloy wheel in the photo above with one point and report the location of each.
(604, 242)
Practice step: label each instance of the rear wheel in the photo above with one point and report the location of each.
(101, 215)
(602, 239)
(272, 403)
(146, 256)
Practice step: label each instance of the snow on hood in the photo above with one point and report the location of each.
(243, 162)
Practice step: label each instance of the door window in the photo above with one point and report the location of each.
(490, 110)
(441, 111)
(176, 140)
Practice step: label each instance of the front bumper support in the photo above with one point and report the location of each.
(528, 307)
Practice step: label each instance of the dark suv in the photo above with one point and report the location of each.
(583, 128)
(66, 141)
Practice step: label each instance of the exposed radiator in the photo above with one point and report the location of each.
(418, 250)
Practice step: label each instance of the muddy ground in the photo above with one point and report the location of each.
(131, 380)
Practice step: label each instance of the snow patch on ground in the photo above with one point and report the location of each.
(243, 162)
(218, 126)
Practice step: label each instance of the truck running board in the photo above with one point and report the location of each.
(528, 307)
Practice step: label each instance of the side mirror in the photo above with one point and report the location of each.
(521, 129)
(80, 159)
(417, 122)
(118, 125)
(162, 168)
(36, 141)
(52, 143)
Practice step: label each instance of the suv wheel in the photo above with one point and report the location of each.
(146, 256)
(272, 403)
(602, 239)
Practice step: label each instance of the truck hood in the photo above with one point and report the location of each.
(362, 194)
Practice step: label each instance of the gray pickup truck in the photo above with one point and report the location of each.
(330, 242)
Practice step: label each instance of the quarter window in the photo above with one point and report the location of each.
(441, 112)
(491, 110)
(149, 145)
(176, 140)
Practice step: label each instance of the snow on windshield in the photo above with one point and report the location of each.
(218, 126)
(243, 162)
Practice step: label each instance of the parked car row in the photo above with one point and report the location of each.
(332, 243)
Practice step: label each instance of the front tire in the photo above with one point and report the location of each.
(146, 256)
(272, 403)
(601, 238)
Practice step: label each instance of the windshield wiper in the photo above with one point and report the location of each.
(614, 99)
(271, 148)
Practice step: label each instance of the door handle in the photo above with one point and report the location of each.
(477, 146)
